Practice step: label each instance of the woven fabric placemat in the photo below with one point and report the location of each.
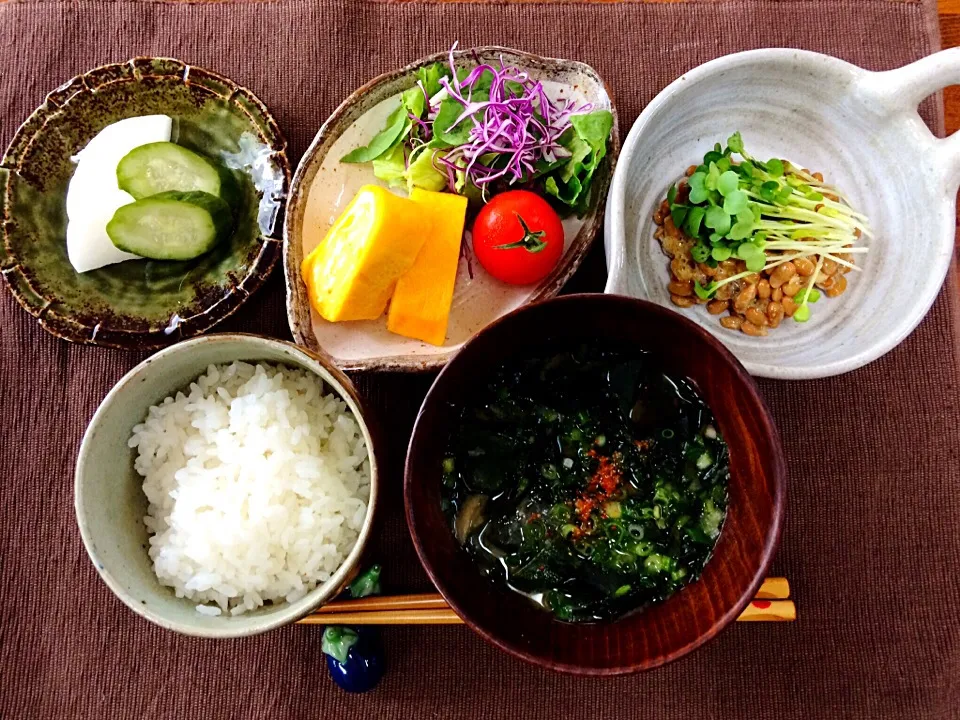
(871, 542)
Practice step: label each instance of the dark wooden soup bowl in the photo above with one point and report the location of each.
(692, 616)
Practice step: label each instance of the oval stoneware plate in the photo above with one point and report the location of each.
(322, 187)
(140, 303)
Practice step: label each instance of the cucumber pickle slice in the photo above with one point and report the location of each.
(171, 225)
(164, 166)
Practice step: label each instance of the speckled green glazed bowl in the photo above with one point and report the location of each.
(139, 303)
(108, 492)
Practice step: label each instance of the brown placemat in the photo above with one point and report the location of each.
(871, 541)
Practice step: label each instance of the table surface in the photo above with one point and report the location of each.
(949, 12)
(873, 642)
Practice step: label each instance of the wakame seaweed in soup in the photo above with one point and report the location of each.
(589, 480)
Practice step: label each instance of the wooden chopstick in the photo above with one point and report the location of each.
(444, 616)
(774, 588)
(769, 605)
(426, 601)
(756, 611)
(769, 611)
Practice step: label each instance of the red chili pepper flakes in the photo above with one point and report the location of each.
(606, 478)
(601, 488)
(533, 517)
(584, 507)
(644, 444)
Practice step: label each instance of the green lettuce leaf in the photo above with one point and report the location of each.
(594, 129)
(421, 172)
(586, 141)
(398, 125)
(542, 167)
(447, 115)
(394, 132)
(413, 101)
(566, 192)
(581, 151)
(390, 167)
(430, 75)
(464, 186)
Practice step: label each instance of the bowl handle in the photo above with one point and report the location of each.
(902, 90)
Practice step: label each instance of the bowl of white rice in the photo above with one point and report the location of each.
(226, 485)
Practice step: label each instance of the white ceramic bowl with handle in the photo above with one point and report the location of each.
(860, 129)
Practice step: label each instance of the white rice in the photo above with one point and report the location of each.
(258, 485)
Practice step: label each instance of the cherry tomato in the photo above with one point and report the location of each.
(517, 237)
